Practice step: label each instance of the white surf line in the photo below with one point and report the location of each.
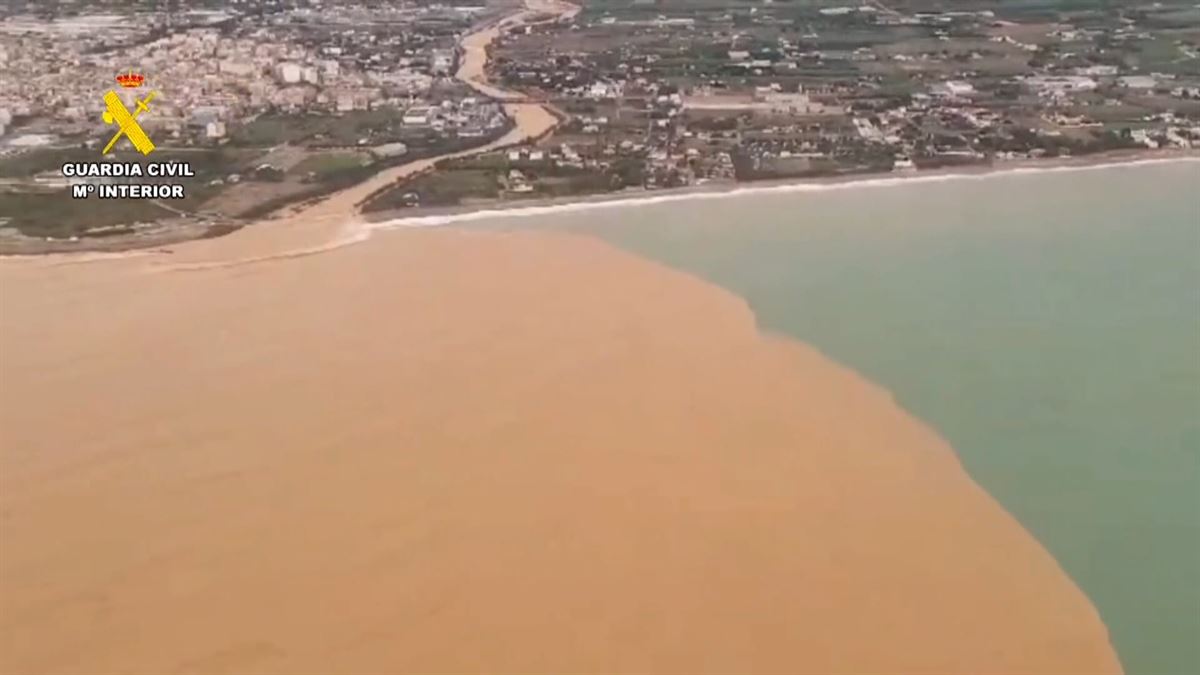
(739, 191)
(59, 258)
(350, 233)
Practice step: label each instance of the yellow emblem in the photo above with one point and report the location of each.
(127, 123)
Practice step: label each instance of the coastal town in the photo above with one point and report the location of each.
(279, 104)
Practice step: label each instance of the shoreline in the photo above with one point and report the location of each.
(692, 479)
(624, 445)
(429, 217)
(337, 219)
(357, 227)
(307, 224)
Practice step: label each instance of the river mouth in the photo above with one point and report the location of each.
(319, 223)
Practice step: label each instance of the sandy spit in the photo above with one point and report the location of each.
(452, 452)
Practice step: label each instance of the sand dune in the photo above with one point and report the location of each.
(445, 451)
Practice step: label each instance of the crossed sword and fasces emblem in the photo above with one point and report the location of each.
(127, 122)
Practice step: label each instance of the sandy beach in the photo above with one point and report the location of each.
(337, 220)
(450, 451)
(432, 216)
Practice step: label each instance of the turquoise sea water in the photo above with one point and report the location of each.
(1048, 325)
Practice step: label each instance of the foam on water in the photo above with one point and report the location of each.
(350, 233)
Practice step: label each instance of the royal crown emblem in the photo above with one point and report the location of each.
(131, 80)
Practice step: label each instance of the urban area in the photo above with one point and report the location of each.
(277, 103)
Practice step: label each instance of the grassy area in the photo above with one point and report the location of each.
(1163, 55)
(577, 184)
(376, 126)
(27, 164)
(444, 188)
(39, 212)
(54, 213)
(327, 163)
(481, 178)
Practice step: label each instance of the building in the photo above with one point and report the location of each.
(418, 116)
(1138, 81)
(441, 61)
(201, 116)
(289, 73)
(786, 102)
(236, 68)
(1057, 85)
(517, 182)
(952, 89)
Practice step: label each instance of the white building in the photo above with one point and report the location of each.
(952, 89)
(1138, 81)
(441, 61)
(603, 90)
(1142, 137)
(1059, 84)
(289, 73)
(418, 116)
(236, 68)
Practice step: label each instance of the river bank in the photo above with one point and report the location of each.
(337, 219)
(316, 223)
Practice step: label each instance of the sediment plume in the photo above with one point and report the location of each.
(446, 451)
